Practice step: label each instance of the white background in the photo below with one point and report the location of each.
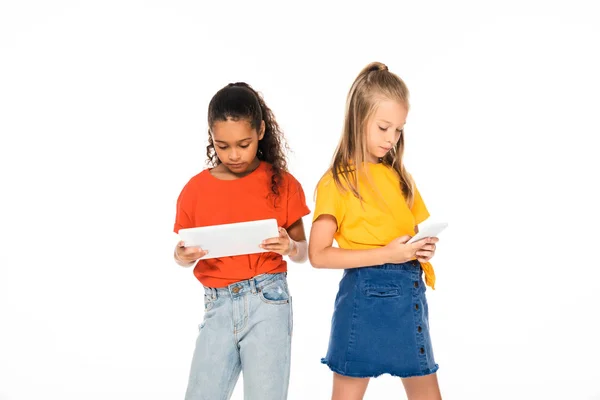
(103, 120)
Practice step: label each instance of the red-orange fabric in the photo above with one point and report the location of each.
(206, 200)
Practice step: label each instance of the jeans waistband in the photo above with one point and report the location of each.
(240, 288)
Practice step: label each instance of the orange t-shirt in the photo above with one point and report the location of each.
(206, 200)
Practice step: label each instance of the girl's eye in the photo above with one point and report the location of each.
(222, 148)
(245, 146)
(383, 129)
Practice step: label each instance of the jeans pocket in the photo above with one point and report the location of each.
(275, 293)
(383, 291)
(209, 302)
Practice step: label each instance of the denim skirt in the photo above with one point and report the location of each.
(380, 323)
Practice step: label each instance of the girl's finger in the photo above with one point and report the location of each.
(271, 246)
(271, 241)
(198, 254)
(403, 239)
(194, 254)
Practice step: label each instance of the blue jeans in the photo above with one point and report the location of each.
(247, 327)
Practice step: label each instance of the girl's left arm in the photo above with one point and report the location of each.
(299, 252)
(291, 242)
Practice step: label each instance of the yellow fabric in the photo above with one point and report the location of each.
(383, 215)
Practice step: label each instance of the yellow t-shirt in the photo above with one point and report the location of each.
(383, 215)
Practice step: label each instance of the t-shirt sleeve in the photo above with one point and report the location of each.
(296, 202)
(184, 215)
(419, 210)
(329, 200)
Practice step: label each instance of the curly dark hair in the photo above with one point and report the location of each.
(239, 101)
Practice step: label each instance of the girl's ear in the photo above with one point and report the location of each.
(261, 131)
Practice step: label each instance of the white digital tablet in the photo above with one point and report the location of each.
(429, 230)
(230, 239)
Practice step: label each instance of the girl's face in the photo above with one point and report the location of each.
(384, 129)
(236, 143)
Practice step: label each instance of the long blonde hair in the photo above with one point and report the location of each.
(373, 83)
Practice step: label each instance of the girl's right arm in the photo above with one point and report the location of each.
(187, 256)
(322, 254)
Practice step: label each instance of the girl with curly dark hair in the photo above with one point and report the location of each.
(247, 323)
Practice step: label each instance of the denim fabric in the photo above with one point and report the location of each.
(247, 327)
(380, 323)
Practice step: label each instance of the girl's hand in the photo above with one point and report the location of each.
(281, 245)
(188, 254)
(426, 253)
(400, 252)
